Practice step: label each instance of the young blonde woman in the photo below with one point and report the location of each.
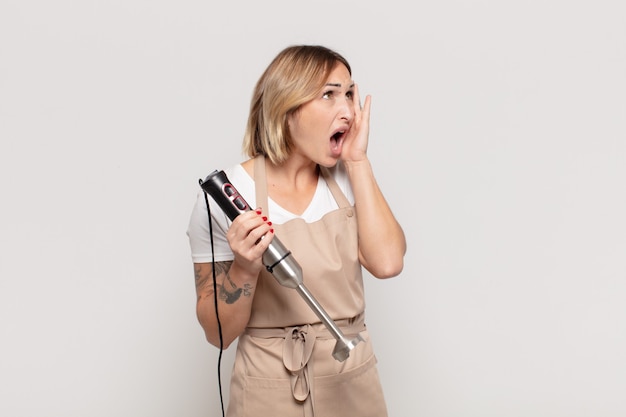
(311, 179)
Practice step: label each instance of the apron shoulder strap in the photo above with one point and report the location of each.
(260, 182)
(340, 198)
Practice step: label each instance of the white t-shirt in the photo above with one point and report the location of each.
(199, 232)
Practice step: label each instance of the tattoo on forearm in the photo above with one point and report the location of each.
(227, 290)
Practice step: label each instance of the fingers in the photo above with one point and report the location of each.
(368, 103)
(358, 106)
(355, 144)
(250, 235)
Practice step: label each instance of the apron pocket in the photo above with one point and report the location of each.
(269, 397)
(357, 392)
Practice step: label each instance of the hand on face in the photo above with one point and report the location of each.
(355, 143)
(332, 126)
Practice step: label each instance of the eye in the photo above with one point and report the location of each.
(350, 94)
(327, 94)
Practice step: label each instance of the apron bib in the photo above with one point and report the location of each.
(284, 365)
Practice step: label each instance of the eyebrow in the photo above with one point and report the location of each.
(338, 85)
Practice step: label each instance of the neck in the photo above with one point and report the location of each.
(292, 173)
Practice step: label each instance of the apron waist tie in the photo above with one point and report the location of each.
(298, 348)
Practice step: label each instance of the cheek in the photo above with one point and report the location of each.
(304, 126)
(295, 122)
(299, 128)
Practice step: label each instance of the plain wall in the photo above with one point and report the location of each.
(498, 136)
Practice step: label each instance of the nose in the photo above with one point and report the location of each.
(346, 109)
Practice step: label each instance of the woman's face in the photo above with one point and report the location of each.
(319, 126)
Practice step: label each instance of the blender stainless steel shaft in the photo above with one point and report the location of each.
(277, 259)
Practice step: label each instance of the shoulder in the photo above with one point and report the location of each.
(248, 166)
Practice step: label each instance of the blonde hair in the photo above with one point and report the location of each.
(294, 77)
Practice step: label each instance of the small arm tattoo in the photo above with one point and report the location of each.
(227, 290)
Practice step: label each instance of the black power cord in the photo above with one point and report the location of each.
(217, 316)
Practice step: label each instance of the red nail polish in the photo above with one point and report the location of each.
(269, 223)
(271, 230)
(264, 218)
(258, 211)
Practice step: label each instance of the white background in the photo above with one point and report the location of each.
(498, 136)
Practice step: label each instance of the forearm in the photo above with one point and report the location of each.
(382, 243)
(235, 290)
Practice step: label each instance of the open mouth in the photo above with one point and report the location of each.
(337, 138)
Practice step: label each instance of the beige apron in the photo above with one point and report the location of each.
(284, 365)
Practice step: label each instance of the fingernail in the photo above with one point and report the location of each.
(269, 223)
(258, 211)
(271, 230)
(264, 218)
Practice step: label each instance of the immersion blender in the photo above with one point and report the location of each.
(277, 259)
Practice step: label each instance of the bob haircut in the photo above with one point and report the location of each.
(293, 78)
